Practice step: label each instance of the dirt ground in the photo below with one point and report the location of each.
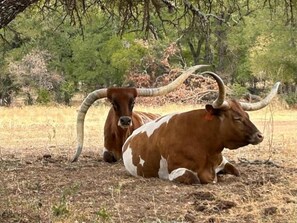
(39, 184)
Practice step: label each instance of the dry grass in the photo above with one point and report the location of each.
(38, 184)
(53, 129)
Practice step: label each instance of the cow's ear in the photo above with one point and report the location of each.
(210, 109)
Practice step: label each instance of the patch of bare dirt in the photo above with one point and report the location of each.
(49, 188)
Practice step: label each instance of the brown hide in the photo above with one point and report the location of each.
(115, 131)
(193, 140)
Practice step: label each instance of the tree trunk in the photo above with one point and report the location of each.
(222, 46)
(196, 52)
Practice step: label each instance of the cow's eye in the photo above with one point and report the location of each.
(238, 119)
(132, 104)
(115, 106)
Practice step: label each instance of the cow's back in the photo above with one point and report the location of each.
(140, 118)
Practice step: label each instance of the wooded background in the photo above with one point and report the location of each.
(52, 49)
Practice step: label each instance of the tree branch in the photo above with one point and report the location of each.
(197, 12)
(5, 40)
(10, 9)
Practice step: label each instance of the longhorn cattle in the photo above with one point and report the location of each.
(121, 120)
(187, 147)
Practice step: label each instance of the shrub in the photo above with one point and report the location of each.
(291, 99)
(238, 90)
(43, 96)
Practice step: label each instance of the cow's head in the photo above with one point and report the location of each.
(122, 100)
(236, 129)
(123, 103)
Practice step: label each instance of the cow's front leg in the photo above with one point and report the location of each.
(184, 175)
(108, 156)
(230, 169)
(227, 168)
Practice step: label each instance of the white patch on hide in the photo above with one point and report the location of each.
(163, 171)
(222, 165)
(219, 168)
(141, 162)
(150, 127)
(128, 162)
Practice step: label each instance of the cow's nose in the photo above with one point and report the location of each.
(125, 121)
(258, 137)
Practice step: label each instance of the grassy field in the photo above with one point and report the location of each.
(39, 184)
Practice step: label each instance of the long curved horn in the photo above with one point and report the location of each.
(101, 93)
(220, 100)
(150, 92)
(262, 103)
(89, 100)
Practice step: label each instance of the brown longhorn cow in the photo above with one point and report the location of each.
(122, 120)
(187, 147)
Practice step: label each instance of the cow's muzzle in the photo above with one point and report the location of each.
(125, 121)
(109, 157)
(256, 138)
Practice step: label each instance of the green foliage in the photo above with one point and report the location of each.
(102, 59)
(264, 47)
(261, 47)
(272, 52)
(29, 99)
(61, 208)
(103, 214)
(96, 59)
(238, 90)
(126, 54)
(65, 93)
(43, 96)
(291, 99)
(8, 89)
(240, 39)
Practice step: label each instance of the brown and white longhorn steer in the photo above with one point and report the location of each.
(187, 147)
(121, 120)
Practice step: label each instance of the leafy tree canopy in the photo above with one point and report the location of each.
(93, 44)
(140, 15)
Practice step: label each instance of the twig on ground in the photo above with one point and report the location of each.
(259, 162)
